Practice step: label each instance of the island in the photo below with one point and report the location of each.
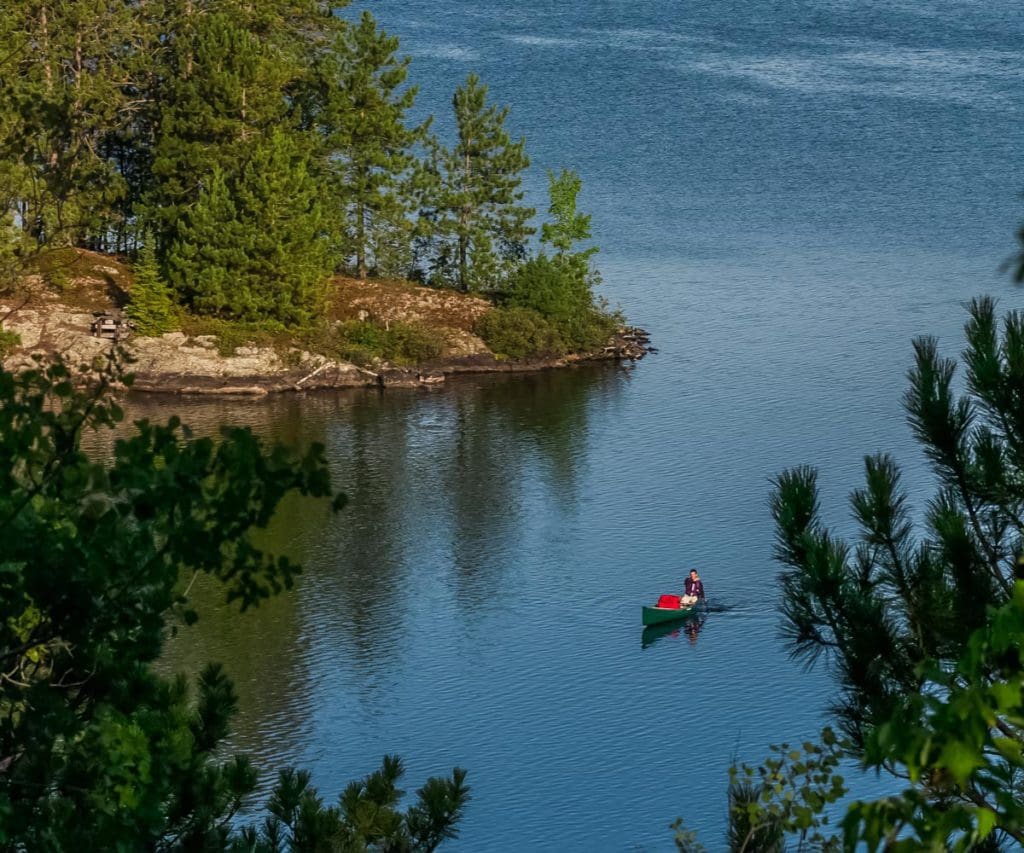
(412, 336)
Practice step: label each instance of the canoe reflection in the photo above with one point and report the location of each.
(690, 627)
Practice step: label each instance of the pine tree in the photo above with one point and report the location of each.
(150, 308)
(368, 143)
(253, 247)
(905, 592)
(480, 225)
(66, 86)
(288, 259)
(223, 90)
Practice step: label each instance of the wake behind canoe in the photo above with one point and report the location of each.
(657, 615)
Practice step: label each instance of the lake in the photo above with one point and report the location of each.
(785, 194)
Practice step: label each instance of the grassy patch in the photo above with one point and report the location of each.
(363, 342)
(232, 334)
(84, 279)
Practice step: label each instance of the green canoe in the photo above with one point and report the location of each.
(657, 615)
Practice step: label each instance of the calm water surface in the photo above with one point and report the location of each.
(784, 194)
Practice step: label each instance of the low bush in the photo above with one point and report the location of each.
(560, 289)
(363, 342)
(411, 344)
(520, 333)
(556, 287)
(232, 334)
(590, 329)
(8, 341)
(56, 266)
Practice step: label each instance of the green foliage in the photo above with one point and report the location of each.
(520, 334)
(251, 248)
(366, 817)
(879, 608)
(8, 341)
(686, 839)
(479, 226)
(784, 797)
(57, 277)
(229, 335)
(924, 630)
(150, 307)
(264, 145)
(963, 741)
(364, 127)
(363, 342)
(561, 287)
(100, 751)
(90, 557)
(224, 70)
(62, 94)
(16, 247)
(560, 290)
(568, 227)
(957, 745)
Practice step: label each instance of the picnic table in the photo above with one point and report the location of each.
(108, 325)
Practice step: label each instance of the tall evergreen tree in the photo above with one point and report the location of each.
(481, 225)
(368, 142)
(67, 89)
(252, 247)
(223, 90)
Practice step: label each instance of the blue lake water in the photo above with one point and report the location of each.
(784, 194)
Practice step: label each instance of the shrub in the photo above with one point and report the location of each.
(231, 334)
(589, 329)
(520, 333)
(399, 343)
(411, 344)
(561, 290)
(8, 341)
(554, 287)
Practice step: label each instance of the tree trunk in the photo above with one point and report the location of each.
(361, 241)
(464, 262)
(188, 17)
(44, 26)
(464, 217)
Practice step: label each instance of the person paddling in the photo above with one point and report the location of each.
(694, 587)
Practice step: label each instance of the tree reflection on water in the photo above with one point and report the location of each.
(438, 483)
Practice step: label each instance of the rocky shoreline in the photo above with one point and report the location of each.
(175, 363)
